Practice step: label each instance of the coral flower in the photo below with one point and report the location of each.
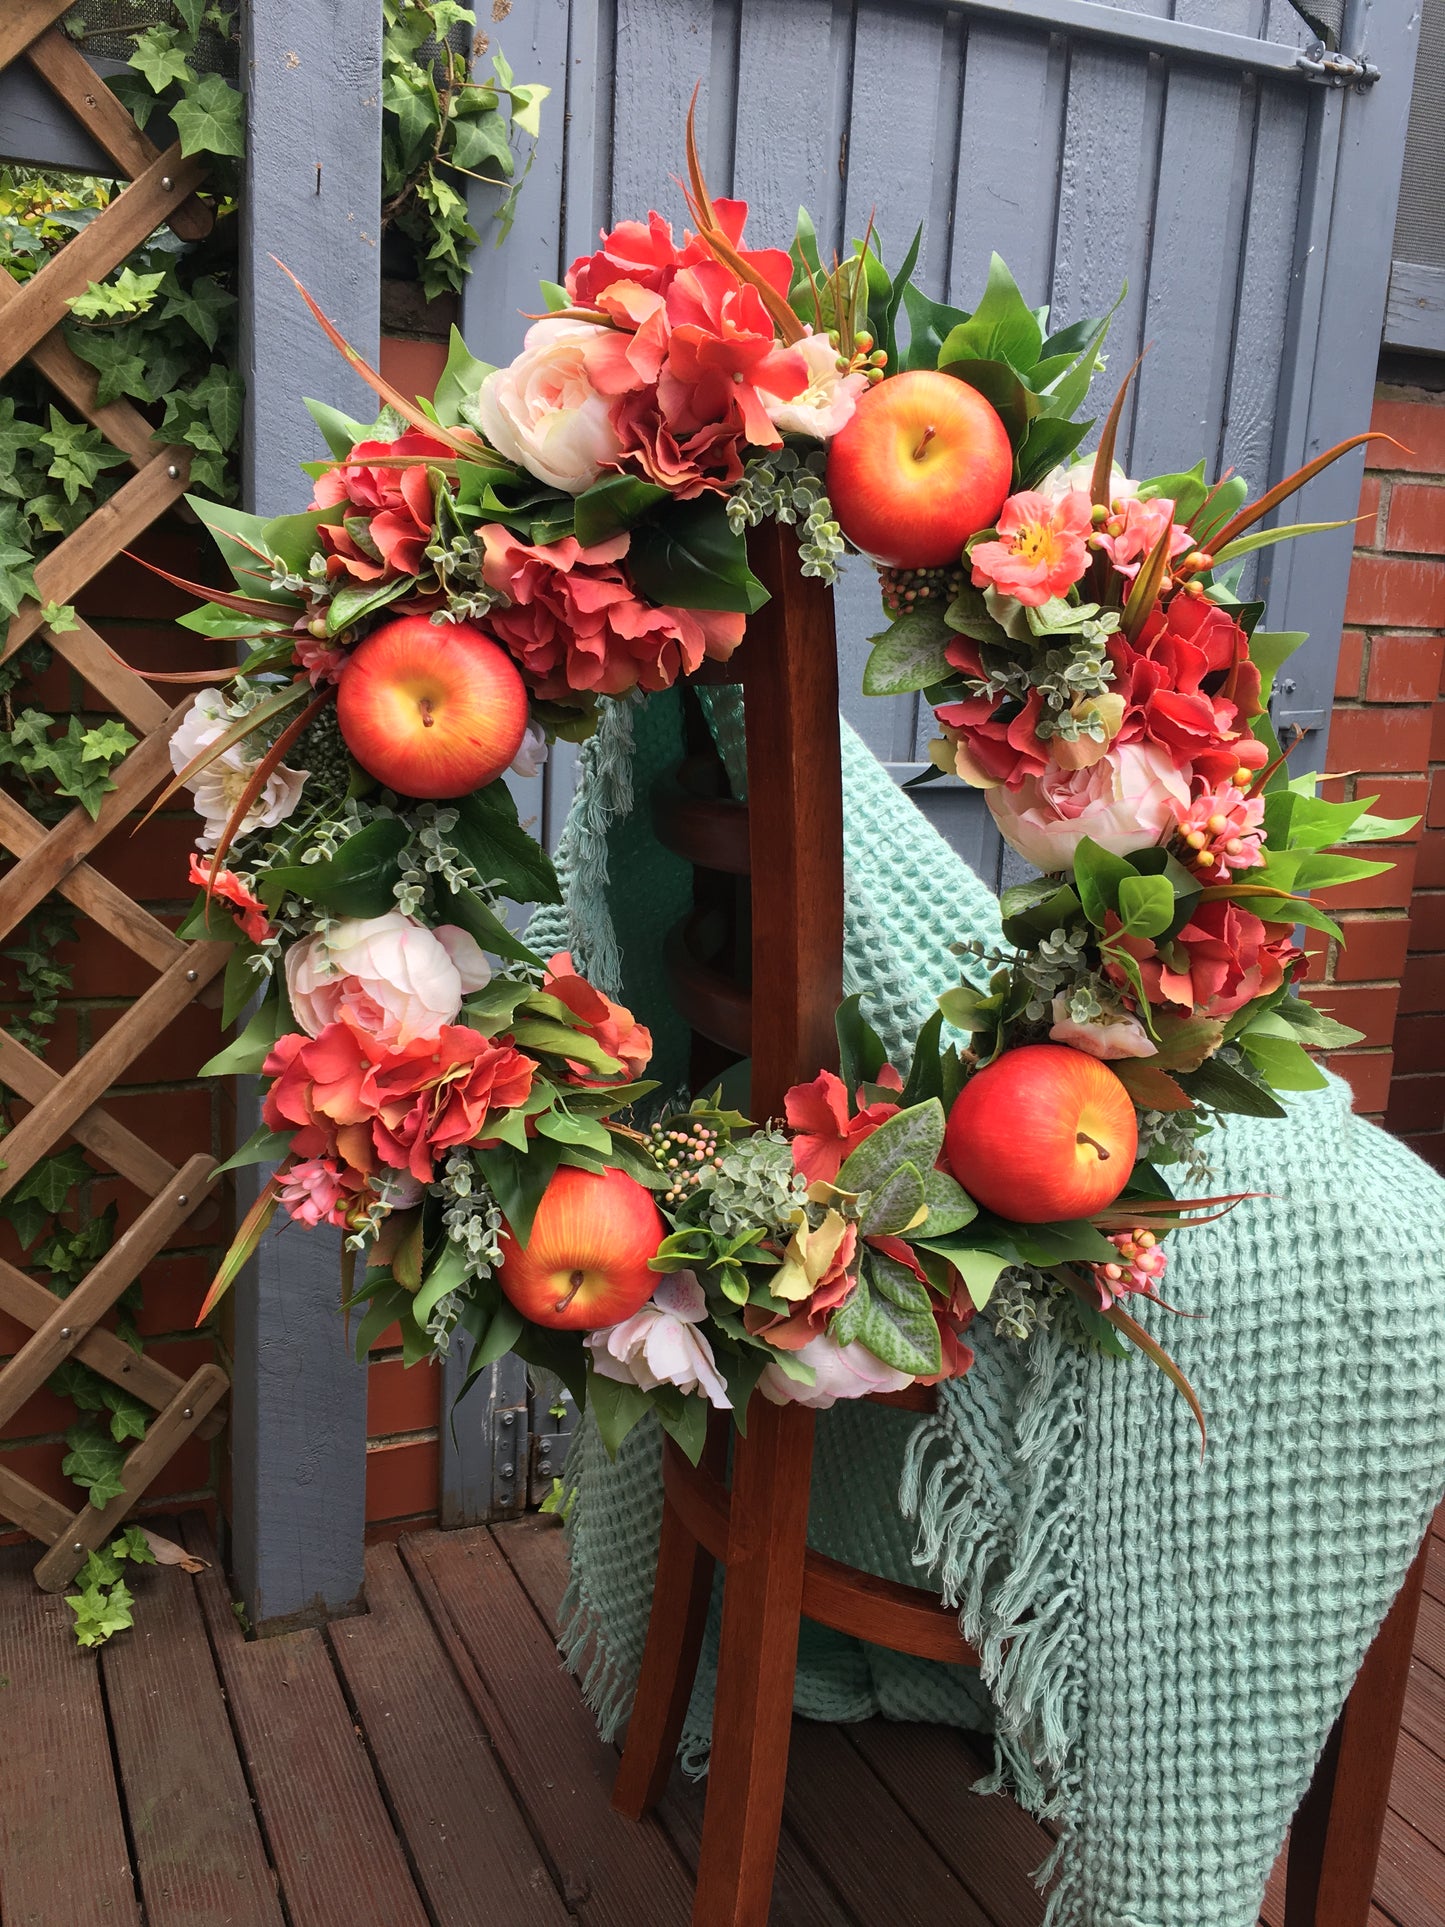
(235, 891)
(1221, 960)
(1132, 533)
(825, 1134)
(1040, 552)
(1223, 831)
(394, 511)
(612, 1025)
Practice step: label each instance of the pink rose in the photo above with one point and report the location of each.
(389, 976)
(840, 1371)
(544, 410)
(1125, 802)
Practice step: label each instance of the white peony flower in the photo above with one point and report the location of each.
(219, 786)
(1117, 1034)
(543, 410)
(827, 402)
(389, 975)
(532, 755)
(842, 1371)
(661, 1345)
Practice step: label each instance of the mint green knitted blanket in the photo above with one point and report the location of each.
(1166, 1642)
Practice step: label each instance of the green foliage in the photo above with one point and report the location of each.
(102, 1605)
(95, 1462)
(440, 128)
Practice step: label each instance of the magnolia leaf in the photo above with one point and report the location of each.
(914, 1136)
(979, 1271)
(909, 655)
(899, 1326)
(1281, 1060)
(949, 1205)
(1314, 1029)
(896, 1204)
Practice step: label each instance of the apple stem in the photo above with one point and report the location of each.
(575, 1284)
(926, 437)
(428, 720)
(1083, 1137)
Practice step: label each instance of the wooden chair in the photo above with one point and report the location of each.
(788, 839)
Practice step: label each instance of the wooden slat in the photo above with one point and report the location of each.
(123, 426)
(136, 211)
(63, 571)
(1410, 1876)
(436, 1764)
(198, 1851)
(70, 1318)
(88, 890)
(331, 1841)
(1417, 1789)
(100, 1067)
(93, 1525)
(611, 1871)
(34, 1511)
(91, 657)
(67, 72)
(991, 1844)
(27, 1300)
(1425, 1707)
(117, 1148)
(62, 1843)
(23, 20)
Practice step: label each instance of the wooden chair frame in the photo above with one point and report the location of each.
(45, 860)
(758, 1528)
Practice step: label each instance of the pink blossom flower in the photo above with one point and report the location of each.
(1143, 1261)
(1132, 532)
(1125, 802)
(574, 622)
(238, 893)
(1040, 552)
(389, 976)
(1223, 831)
(1115, 1034)
(321, 657)
(824, 1134)
(312, 1190)
(839, 1371)
(827, 403)
(662, 1345)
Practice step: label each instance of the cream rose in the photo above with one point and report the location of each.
(1124, 802)
(390, 976)
(661, 1345)
(218, 787)
(543, 410)
(531, 757)
(826, 403)
(841, 1371)
(1114, 1035)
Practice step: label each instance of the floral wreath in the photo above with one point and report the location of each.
(481, 571)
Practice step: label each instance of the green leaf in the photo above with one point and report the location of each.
(616, 1408)
(930, 323)
(1315, 1029)
(925, 1073)
(899, 1326)
(94, 1462)
(1002, 328)
(914, 1136)
(354, 604)
(209, 119)
(979, 1271)
(910, 654)
(357, 882)
(540, 1034)
(1098, 874)
(1223, 1088)
(861, 1052)
(1268, 649)
(50, 1181)
(1146, 905)
(689, 558)
(478, 918)
(612, 505)
(263, 1146)
(895, 1204)
(461, 381)
(341, 432)
(249, 1051)
(1266, 538)
(517, 1181)
(1012, 399)
(949, 1205)
(1282, 1061)
(500, 851)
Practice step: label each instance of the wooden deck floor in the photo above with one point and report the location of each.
(430, 1763)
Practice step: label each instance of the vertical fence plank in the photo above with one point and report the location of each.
(313, 137)
(1008, 160)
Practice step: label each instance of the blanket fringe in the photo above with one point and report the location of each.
(604, 795)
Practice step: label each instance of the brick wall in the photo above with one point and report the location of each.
(160, 1099)
(1387, 738)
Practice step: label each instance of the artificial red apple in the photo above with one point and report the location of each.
(431, 708)
(585, 1264)
(1043, 1133)
(922, 464)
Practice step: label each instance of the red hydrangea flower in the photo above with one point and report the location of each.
(824, 1133)
(612, 1025)
(393, 510)
(1188, 684)
(1222, 959)
(645, 254)
(574, 622)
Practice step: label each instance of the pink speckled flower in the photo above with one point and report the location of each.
(1040, 552)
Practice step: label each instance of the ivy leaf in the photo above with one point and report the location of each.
(50, 1181)
(94, 1462)
(78, 452)
(201, 306)
(107, 743)
(209, 119)
(219, 390)
(129, 294)
(100, 1610)
(160, 59)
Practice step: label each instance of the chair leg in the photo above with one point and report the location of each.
(1335, 1840)
(681, 1594)
(752, 1717)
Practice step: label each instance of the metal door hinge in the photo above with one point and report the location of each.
(549, 1455)
(509, 1460)
(1325, 69)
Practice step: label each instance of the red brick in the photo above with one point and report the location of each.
(1350, 665)
(1380, 739)
(127, 588)
(42, 1416)
(1398, 796)
(1435, 807)
(192, 1035)
(1419, 426)
(401, 1480)
(1317, 950)
(401, 1398)
(1367, 531)
(1423, 985)
(1437, 735)
(1390, 890)
(1416, 524)
(1427, 920)
(1368, 1075)
(1371, 1011)
(1420, 1041)
(151, 866)
(1431, 1148)
(415, 367)
(177, 1125)
(1374, 949)
(1403, 669)
(41, 1465)
(1417, 1104)
(1397, 591)
(172, 1289)
(1430, 868)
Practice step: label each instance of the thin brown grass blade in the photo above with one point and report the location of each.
(1101, 485)
(1253, 512)
(248, 1235)
(259, 778)
(263, 712)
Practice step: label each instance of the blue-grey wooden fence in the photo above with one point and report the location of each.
(1179, 145)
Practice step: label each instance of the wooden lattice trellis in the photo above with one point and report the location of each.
(162, 190)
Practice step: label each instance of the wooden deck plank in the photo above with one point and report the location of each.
(330, 1836)
(612, 1873)
(1435, 1563)
(1417, 1790)
(537, 1553)
(1410, 1878)
(63, 1855)
(475, 1860)
(1425, 1707)
(198, 1850)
